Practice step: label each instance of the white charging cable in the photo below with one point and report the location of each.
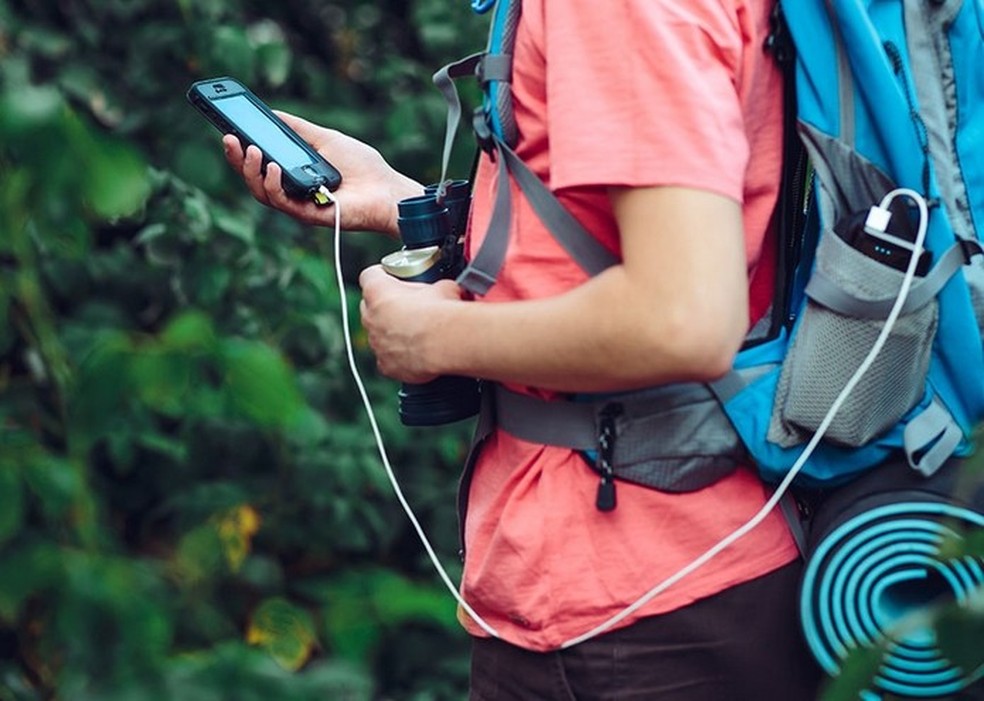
(878, 218)
(346, 330)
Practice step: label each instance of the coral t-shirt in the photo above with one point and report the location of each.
(626, 93)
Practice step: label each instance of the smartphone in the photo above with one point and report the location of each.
(233, 109)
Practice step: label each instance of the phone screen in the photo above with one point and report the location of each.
(269, 137)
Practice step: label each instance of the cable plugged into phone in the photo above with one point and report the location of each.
(322, 196)
(888, 246)
(886, 233)
(233, 109)
(877, 220)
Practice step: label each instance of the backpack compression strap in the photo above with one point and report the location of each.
(495, 128)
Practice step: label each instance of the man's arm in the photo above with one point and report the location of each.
(675, 309)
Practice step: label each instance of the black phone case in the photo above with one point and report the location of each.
(300, 182)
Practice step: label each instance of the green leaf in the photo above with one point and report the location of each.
(360, 606)
(856, 674)
(32, 569)
(58, 484)
(962, 543)
(199, 555)
(189, 331)
(161, 379)
(959, 632)
(116, 182)
(232, 54)
(101, 389)
(259, 383)
(284, 630)
(399, 600)
(236, 226)
(11, 500)
(274, 60)
(29, 108)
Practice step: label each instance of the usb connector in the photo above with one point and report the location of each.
(877, 220)
(322, 197)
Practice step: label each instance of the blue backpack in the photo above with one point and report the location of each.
(886, 101)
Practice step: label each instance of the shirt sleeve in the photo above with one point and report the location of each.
(645, 93)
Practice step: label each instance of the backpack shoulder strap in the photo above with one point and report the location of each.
(495, 128)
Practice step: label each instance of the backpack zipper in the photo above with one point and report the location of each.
(607, 431)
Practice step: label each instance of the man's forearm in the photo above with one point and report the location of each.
(593, 338)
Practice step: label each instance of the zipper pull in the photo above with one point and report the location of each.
(606, 500)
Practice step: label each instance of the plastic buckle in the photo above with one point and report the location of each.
(483, 133)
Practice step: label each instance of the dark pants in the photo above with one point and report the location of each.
(743, 644)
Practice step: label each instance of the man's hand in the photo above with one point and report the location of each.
(397, 317)
(369, 191)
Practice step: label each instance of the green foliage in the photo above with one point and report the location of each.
(191, 503)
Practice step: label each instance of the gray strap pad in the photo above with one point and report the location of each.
(674, 438)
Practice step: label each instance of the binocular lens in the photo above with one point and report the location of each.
(422, 221)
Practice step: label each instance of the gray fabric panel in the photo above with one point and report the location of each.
(931, 63)
(848, 182)
(483, 269)
(584, 248)
(936, 430)
(559, 423)
(974, 274)
(443, 79)
(835, 258)
(675, 438)
(933, 75)
(677, 447)
(845, 83)
(495, 67)
(735, 381)
(829, 347)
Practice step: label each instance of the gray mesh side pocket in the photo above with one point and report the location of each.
(830, 346)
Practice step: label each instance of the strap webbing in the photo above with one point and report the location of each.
(583, 248)
(829, 293)
(444, 80)
(931, 438)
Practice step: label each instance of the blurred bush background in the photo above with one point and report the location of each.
(191, 502)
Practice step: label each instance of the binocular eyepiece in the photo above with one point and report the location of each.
(431, 230)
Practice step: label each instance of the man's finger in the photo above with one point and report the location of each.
(233, 151)
(302, 126)
(273, 185)
(251, 173)
(368, 275)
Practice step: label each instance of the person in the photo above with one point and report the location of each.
(658, 124)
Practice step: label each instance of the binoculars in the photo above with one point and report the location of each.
(431, 231)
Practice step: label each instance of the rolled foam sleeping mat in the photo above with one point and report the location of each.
(872, 558)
